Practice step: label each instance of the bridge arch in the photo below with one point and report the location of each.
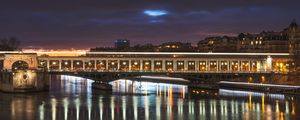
(13, 60)
(20, 65)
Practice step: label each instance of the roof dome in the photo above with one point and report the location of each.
(293, 24)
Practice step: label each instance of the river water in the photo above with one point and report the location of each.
(72, 98)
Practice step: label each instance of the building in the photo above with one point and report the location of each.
(122, 44)
(175, 47)
(270, 42)
(294, 45)
(294, 36)
(218, 44)
(144, 48)
(284, 41)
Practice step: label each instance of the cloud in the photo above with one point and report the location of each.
(155, 13)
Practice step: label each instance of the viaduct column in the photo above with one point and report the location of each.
(175, 65)
(118, 68)
(217, 65)
(152, 65)
(95, 63)
(228, 69)
(141, 65)
(83, 64)
(106, 65)
(249, 66)
(129, 67)
(196, 65)
(239, 66)
(230, 65)
(269, 63)
(48, 64)
(207, 65)
(72, 66)
(163, 65)
(59, 64)
(185, 65)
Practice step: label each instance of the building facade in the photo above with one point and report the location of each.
(122, 44)
(218, 44)
(294, 44)
(269, 42)
(175, 47)
(284, 41)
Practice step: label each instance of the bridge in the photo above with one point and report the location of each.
(105, 66)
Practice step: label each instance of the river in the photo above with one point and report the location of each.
(72, 98)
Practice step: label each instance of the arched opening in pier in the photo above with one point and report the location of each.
(20, 65)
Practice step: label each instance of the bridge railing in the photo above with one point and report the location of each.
(164, 71)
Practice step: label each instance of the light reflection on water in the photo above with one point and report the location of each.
(72, 98)
(145, 88)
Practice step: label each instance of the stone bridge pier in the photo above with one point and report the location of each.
(20, 74)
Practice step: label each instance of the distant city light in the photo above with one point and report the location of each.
(155, 13)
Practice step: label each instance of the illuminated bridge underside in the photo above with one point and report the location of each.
(159, 79)
(209, 77)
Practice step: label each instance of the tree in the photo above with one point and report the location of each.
(9, 44)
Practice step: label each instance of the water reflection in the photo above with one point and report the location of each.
(72, 98)
(145, 88)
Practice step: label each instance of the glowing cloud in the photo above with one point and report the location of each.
(155, 13)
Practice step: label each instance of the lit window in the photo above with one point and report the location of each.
(191, 63)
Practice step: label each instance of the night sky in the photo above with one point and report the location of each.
(81, 25)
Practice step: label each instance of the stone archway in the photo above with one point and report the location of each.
(11, 60)
(20, 65)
